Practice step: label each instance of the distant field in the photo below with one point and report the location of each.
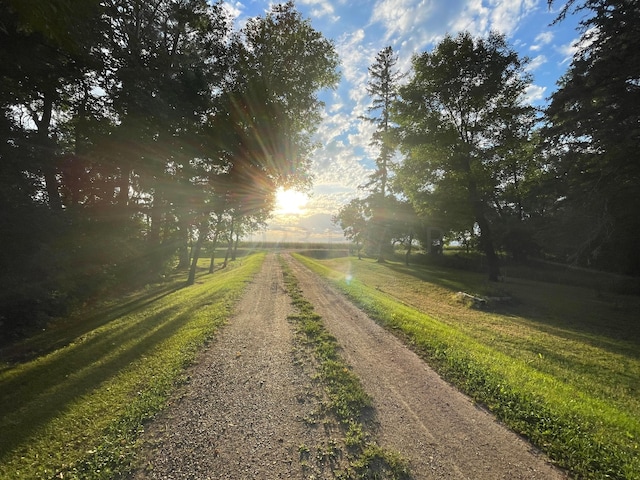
(558, 363)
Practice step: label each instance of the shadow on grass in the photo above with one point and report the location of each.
(571, 312)
(62, 334)
(51, 384)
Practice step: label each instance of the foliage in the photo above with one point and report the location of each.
(139, 131)
(461, 117)
(353, 219)
(592, 136)
(382, 87)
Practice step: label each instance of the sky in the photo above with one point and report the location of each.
(359, 29)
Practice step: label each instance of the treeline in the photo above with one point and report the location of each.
(132, 128)
(464, 156)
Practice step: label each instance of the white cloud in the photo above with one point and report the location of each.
(506, 15)
(568, 50)
(355, 56)
(543, 38)
(414, 24)
(345, 158)
(233, 9)
(536, 63)
(535, 94)
(321, 8)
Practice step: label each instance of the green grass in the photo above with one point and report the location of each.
(347, 399)
(559, 364)
(78, 411)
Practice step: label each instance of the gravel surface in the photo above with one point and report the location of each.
(441, 431)
(242, 414)
(245, 413)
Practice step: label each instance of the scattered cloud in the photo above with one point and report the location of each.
(536, 62)
(568, 50)
(507, 15)
(321, 8)
(543, 38)
(359, 30)
(535, 94)
(233, 9)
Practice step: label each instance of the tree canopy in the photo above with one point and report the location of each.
(460, 115)
(145, 126)
(478, 161)
(593, 136)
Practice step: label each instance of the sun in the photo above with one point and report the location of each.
(290, 202)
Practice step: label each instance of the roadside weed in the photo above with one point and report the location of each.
(347, 399)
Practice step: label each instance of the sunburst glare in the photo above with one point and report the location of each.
(290, 202)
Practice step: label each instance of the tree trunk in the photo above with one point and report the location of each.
(156, 219)
(213, 251)
(486, 245)
(230, 243)
(406, 256)
(183, 247)
(202, 234)
(235, 248)
(227, 253)
(46, 154)
(486, 236)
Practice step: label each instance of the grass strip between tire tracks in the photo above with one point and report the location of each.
(347, 399)
(590, 437)
(79, 411)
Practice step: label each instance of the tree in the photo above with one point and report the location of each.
(404, 226)
(263, 126)
(353, 219)
(283, 66)
(593, 138)
(167, 61)
(457, 114)
(382, 87)
(43, 64)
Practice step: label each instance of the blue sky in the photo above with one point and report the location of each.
(359, 30)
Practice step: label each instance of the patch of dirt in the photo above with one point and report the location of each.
(245, 413)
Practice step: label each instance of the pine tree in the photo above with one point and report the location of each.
(382, 87)
(593, 131)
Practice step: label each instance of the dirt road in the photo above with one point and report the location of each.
(244, 414)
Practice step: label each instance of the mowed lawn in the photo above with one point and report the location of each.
(557, 363)
(78, 410)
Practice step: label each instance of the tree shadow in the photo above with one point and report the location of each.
(32, 398)
(567, 311)
(63, 332)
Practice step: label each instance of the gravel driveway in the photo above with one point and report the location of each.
(245, 412)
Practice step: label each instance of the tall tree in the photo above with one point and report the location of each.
(461, 105)
(382, 87)
(268, 114)
(593, 133)
(43, 63)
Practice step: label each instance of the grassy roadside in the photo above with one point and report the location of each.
(347, 399)
(78, 411)
(555, 365)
